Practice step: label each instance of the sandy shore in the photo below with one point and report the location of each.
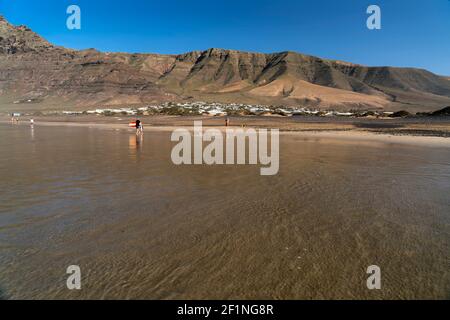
(409, 131)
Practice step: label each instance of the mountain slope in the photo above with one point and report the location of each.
(36, 74)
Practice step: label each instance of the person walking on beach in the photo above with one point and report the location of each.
(31, 121)
(139, 128)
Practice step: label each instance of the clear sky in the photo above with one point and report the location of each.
(414, 33)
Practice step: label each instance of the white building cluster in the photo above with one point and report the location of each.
(222, 109)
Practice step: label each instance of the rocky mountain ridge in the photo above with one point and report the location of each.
(36, 74)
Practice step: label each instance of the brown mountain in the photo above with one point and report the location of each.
(35, 74)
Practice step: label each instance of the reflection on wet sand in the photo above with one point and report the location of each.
(135, 144)
(32, 132)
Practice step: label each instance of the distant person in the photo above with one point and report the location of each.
(227, 122)
(139, 128)
(31, 121)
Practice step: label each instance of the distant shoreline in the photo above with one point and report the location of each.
(435, 133)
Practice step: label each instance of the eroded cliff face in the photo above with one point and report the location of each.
(34, 71)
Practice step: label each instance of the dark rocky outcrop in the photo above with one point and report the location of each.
(442, 112)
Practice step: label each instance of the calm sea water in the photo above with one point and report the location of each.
(140, 227)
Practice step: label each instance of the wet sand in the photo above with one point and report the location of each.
(419, 131)
(420, 126)
(141, 227)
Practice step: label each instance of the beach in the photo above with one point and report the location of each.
(225, 158)
(140, 227)
(403, 130)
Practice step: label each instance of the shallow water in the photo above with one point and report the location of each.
(140, 227)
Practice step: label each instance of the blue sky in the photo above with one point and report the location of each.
(414, 33)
